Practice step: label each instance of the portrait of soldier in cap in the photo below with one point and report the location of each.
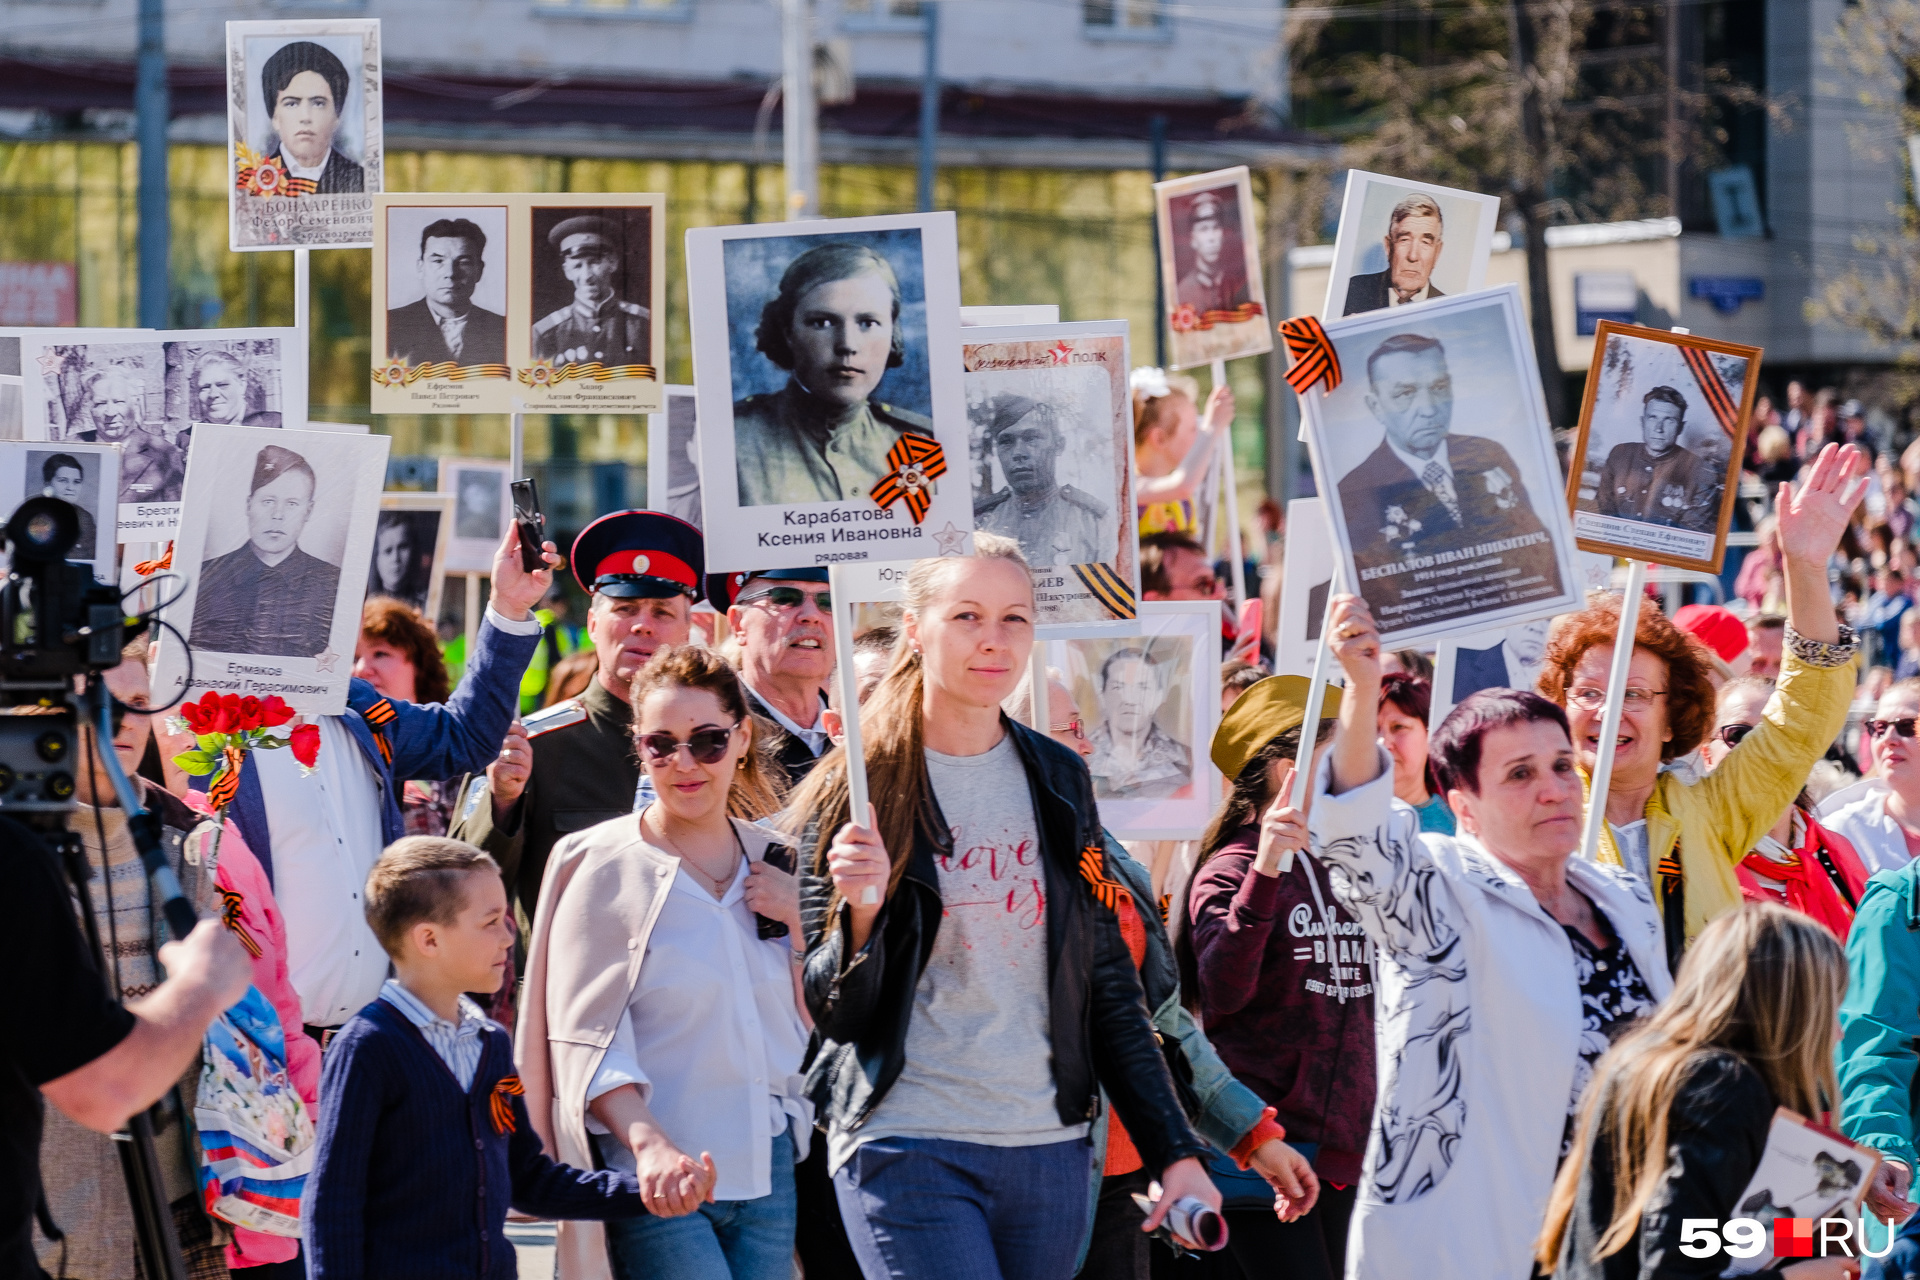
(1055, 524)
(444, 323)
(269, 597)
(151, 465)
(1216, 280)
(834, 327)
(303, 85)
(1415, 238)
(598, 324)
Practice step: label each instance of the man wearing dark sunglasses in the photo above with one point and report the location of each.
(1881, 815)
(784, 620)
(571, 766)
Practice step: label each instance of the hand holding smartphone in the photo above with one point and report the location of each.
(532, 524)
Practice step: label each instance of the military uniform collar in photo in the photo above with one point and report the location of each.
(723, 589)
(1266, 710)
(643, 555)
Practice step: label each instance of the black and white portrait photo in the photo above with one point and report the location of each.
(1437, 459)
(408, 549)
(1661, 434)
(111, 393)
(276, 526)
(1210, 260)
(234, 384)
(440, 300)
(305, 145)
(482, 505)
(86, 475)
(595, 298)
(1134, 755)
(819, 386)
(1049, 458)
(673, 458)
(1402, 242)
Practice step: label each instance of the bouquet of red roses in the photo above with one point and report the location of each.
(226, 726)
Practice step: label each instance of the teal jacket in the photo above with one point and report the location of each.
(1880, 1019)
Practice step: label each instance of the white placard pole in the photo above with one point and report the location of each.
(1040, 701)
(302, 322)
(1316, 699)
(473, 613)
(1616, 701)
(517, 449)
(845, 672)
(1230, 504)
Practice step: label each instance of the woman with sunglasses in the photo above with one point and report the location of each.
(1682, 840)
(965, 967)
(1880, 816)
(661, 1028)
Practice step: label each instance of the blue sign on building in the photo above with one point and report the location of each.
(1727, 292)
(1603, 295)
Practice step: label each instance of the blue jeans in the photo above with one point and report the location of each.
(726, 1240)
(932, 1209)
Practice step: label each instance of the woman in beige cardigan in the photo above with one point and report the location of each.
(661, 1030)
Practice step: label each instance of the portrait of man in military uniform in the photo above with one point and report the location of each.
(268, 597)
(1656, 479)
(1134, 758)
(1055, 524)
(1215, 278)
(833, 326)
(585, 259)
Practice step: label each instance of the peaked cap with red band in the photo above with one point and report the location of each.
(640, 554)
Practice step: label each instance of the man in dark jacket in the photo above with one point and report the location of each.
(445, 324)
(785, 627)
(269, 597)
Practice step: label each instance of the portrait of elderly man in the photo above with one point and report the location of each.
(1133, 757)
(444, 324)
(63, 477)
(219, 388)
(269, 597)
(1414, 241)
(598, 324)
(1054, 524)
(1427, 489)
(304, 85)
(834, 326)
(151, 466)
(1657, 480)
(1217, 280)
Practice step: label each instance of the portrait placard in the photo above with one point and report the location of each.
(826, 359)
(1051, 465)
(1402, 241)
(595, 337)
(1210, 268)
(1306, 579)
(86, 475)
(673, 457)
(1663, 428)
(148, 391)
(409, 560)
(13, 385)
(305, 155)
(1463, 665)
(443, 278)
(1150, 702)
(271, 601)
(482, 506)
(1436, 459)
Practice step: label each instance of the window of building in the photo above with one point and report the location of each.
(674, 10)
(1124, 18)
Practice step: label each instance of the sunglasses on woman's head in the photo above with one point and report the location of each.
(706, 746)
(1905, 728)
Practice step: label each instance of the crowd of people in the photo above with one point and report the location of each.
(609, 944)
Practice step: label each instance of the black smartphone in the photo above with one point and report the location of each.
(781, 857)
(532, 523)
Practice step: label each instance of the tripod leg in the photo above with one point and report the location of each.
(158, 1243)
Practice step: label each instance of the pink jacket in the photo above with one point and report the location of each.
(240, 873)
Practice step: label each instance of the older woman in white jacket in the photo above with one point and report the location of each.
(1506, 967)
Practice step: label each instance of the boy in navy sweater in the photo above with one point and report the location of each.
(423, 1139)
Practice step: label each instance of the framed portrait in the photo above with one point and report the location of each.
(1436, 460)
(1663, 428)
(1150, 702)
(13, 385)
(1306, 580)
(410, 549)
(1050, 462)
(826, 361)
(1210, 268)
(1463, 665)
(442, 277)
(273, 582)
(595, 332)
(86, 475)
(482, 508)
(673, 457)
(304, 149)
(148, 393)
(1402, 241)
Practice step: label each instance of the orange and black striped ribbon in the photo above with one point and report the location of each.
(500, 1103)
(1093, 869)
(231, 903)
(916, 461)
(1314, 358)
(1700, 364)
(147, 568)
(1670, 874)
(1109, 588)
(226, 784)
(378, 717)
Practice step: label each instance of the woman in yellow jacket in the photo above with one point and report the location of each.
(1683, 839)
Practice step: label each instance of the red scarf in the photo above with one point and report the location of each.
(1809, 885)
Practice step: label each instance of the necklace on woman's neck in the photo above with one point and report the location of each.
(718, 883)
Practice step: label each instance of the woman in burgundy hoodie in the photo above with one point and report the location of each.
(1283, 979)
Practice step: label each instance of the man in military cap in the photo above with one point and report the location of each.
(834, 326)
(1217, 280)
(1054, 524)
(784, 621)
(572, 765)
(597, 324)
(269, 597)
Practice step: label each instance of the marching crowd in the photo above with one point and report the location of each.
(622, 953)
